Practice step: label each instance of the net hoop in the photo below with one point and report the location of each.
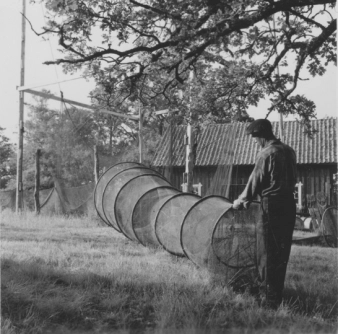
(219, 213)
(111, 219)
(159, 204)
(329, 226)
(121, 222)
(232, 228)
(97, 202)
(161, 241)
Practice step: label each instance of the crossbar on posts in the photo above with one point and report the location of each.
(79, 104)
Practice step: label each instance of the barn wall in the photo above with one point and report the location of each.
(315, 178)
(203, 175)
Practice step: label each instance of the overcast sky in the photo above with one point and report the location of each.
(322, 90)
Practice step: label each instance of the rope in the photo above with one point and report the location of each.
(76, 132)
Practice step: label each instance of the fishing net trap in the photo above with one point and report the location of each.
(140, 203)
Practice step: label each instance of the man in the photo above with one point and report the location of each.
(273, 179)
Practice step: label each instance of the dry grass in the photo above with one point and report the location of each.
(70, 275)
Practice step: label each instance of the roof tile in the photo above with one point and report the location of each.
(217, 143)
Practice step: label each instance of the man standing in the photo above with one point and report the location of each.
(273, 179)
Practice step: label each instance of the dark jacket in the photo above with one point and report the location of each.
(274, 174)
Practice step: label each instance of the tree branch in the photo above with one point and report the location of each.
(46, 31)
(155, 10)
(306, 19)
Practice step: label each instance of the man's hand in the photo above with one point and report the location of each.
(238, 205)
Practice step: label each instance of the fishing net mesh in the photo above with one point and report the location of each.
(128, 197)
(206, 230)
(7, 199)
(102, 183)
(329, 226)
(67, 198)
(145, 212)
(73, 200)
(314, 211)
(235, 237)
(112, 189)
(197, 228)
(169, 221)
(222, 179)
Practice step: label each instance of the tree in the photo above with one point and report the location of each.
(147, 48)
(7, 160)
(111, 129)
(123, 134)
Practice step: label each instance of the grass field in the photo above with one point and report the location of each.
(71, 275)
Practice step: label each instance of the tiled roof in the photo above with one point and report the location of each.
(215, 141)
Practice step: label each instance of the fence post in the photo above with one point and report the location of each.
(189, 159)
(140, 133)
(37, 181)
(96, 164)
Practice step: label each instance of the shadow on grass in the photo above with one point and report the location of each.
(37, 298)
(33, 293)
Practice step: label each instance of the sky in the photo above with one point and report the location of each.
(322, 90)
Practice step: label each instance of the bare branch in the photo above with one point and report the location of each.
(46, 31)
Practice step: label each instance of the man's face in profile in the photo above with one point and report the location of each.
(260, 141)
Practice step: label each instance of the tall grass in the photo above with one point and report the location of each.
(71, 275)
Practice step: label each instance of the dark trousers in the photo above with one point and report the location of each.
(274, 239)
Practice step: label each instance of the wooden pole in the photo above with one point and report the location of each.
(189, 164)
(96, 164)
(171, 150)
(19, 185)
(37, 181)
(140, 141)
(281, 132)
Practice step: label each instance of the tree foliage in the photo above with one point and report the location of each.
(7, 160)
(240, 51)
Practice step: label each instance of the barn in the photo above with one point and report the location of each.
(316, 156)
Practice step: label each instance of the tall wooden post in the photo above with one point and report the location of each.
(19, 185)
(96, 164)
(281, 132)
(170, 169)
(189, 162)
(37, 181)
(300, 195)
(140, 141)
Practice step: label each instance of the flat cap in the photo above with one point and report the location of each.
(259, 127)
